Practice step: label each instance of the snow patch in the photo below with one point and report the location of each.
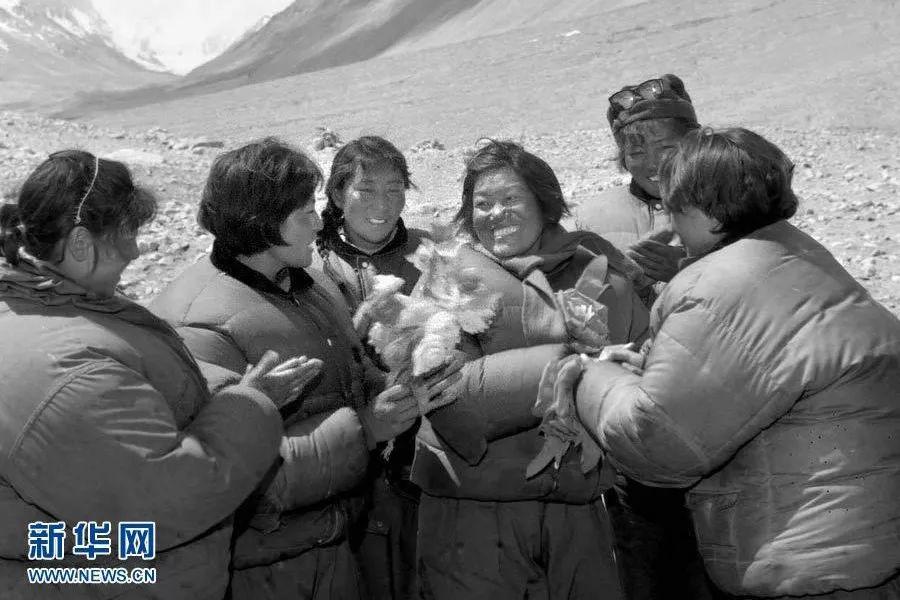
(83, 21)
(8, 5)
(71, 26)
(187, 35)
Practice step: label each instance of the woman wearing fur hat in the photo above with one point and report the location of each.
(654, 541)
(647, 120)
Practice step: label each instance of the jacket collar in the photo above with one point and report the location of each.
(332, 240)
(638, 192)
(557, 246)
(34, 281)
(226, 261)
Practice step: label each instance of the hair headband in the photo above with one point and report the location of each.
(88, 191)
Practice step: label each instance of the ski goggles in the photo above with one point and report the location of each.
(649, 90)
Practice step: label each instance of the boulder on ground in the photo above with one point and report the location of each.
(326, 138)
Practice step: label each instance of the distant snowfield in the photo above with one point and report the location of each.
(179, 35)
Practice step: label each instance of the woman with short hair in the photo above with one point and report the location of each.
(104, 414)
(494, 532)
(770, 388)
(254, 292)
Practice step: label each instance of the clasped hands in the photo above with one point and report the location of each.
(396, 409)
(390, 413)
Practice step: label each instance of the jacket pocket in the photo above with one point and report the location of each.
(296, 532)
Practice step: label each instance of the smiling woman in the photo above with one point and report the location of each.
(363, 233)
(546, 535)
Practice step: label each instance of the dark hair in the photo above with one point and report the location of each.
(733, 175)
(49, 199)
(534, 171)
(250, 191)
(673, 108)
(638, 129)
(367, 152)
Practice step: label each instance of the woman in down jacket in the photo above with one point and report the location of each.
(104, 414)
(253, 293)
(770, 386)
(487, 531)
(363, 233)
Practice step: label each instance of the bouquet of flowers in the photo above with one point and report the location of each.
(586, 323)
(416, 334)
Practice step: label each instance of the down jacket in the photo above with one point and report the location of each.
(526, 333)
(105, 416)
(619, 216)
(773, 387)
(230, 316)
(345, 264)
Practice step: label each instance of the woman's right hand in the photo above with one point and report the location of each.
(389, 414)
(626, 355)
(281, 382)
(656, 257)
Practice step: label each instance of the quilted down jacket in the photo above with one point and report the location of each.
(230, 318)
(526, 333)
(105, 416)
(772, 386)
(619, 216)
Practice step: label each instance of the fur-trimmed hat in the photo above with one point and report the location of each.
(673, 102)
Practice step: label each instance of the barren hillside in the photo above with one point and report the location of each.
(817, 77)
(798, 63)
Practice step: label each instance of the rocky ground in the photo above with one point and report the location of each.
(848, 181)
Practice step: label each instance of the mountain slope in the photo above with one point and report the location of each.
(312, 35)
(792, 63)
(51, 49)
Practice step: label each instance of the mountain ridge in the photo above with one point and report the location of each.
(52, 49)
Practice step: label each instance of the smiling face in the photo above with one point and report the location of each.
(372, 202)
(506, 216)
(645, 145)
